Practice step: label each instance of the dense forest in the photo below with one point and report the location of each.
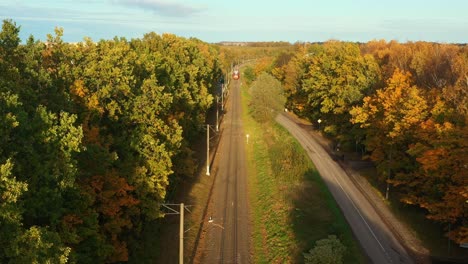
(91, 135)
(405, 106)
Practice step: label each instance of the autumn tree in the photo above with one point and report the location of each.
(418, 147)
(389, 117)
(439, 183)
(411, 117)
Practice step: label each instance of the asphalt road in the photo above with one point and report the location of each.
(374, 236)
(228, 234)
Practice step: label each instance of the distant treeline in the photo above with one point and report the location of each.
(255, 44)
(405, 106)
(91, 135)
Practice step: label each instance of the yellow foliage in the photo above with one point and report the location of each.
(93, 103)
(79, 89)
(262, 65)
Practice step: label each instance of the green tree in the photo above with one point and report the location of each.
(10, 210)
(9, 37)
(9, 56)
(336, 79)
(249, 74)
(39, 245)
(155, 139)
(267, 98)
(326, 251)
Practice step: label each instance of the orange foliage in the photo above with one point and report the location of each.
(113, 193)
(114, 202)
(262, 65)
(120, 250)
(90, 133)
(431, 158)
(71, 220)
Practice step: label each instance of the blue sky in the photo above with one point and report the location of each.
(244, 20)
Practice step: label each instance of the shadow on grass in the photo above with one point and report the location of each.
(301, 209)
(316, 215)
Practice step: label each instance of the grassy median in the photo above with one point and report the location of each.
(290, 204)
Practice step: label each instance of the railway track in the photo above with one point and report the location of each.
(228, 238)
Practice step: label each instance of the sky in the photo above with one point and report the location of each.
(444, 21)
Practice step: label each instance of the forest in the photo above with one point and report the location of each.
(92, 137)
(403, 105)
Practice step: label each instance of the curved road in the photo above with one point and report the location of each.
(228, 234)
(375, 237)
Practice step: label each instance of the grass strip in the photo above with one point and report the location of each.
(291, 205)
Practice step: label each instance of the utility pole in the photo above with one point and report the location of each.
(172, 210)
(181, 235)
(222, 98)
(388, 176)
(208, 127)
(217, 114)
(208, 150)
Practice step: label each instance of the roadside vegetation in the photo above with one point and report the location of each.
(292, 207)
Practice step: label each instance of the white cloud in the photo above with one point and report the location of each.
(163, 8)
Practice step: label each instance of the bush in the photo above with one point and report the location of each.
(326, 251)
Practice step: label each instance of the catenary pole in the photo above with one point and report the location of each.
(208, 150)
(181, 235)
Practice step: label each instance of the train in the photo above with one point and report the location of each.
(235, 74)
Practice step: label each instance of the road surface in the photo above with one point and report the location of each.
(375, 237)
(228, 233)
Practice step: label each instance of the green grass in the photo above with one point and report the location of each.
(291, 206)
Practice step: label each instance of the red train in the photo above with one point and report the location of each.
(235, 74)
